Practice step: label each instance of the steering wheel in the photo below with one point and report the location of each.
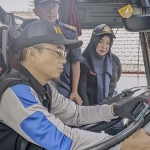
(98, 127)
(133, 93)
(117, 139)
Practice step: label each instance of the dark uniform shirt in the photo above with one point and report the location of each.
(74, 55)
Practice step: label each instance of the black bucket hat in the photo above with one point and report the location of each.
(39, 32)
(103, 29)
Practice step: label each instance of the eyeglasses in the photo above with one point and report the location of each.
(60, 52)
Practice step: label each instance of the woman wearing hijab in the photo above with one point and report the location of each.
(101, 69)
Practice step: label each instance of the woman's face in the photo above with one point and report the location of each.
(103, 46)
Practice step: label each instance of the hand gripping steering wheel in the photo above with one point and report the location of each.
(141, 118)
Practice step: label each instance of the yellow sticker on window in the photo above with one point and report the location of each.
(126, 11)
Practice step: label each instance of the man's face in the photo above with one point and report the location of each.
(47, 11)
(49, 61)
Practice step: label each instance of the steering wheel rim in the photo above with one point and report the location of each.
(117, 139)
(98, 127)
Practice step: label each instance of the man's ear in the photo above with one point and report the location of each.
(32, 54)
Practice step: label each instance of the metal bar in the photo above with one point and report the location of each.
(4, 29)
(4, 44)
(146, 55)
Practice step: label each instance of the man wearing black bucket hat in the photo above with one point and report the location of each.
(33, 115)
(68, 83)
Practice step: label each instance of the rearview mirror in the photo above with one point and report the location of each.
(137, 23)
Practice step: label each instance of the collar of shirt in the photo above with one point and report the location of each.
(34, 83)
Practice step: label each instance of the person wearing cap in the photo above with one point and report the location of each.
(34, 116)
(100, 70)
(67, 85)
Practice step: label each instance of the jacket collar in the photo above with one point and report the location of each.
(34, 83)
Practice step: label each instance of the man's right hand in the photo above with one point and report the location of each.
(138, 141)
